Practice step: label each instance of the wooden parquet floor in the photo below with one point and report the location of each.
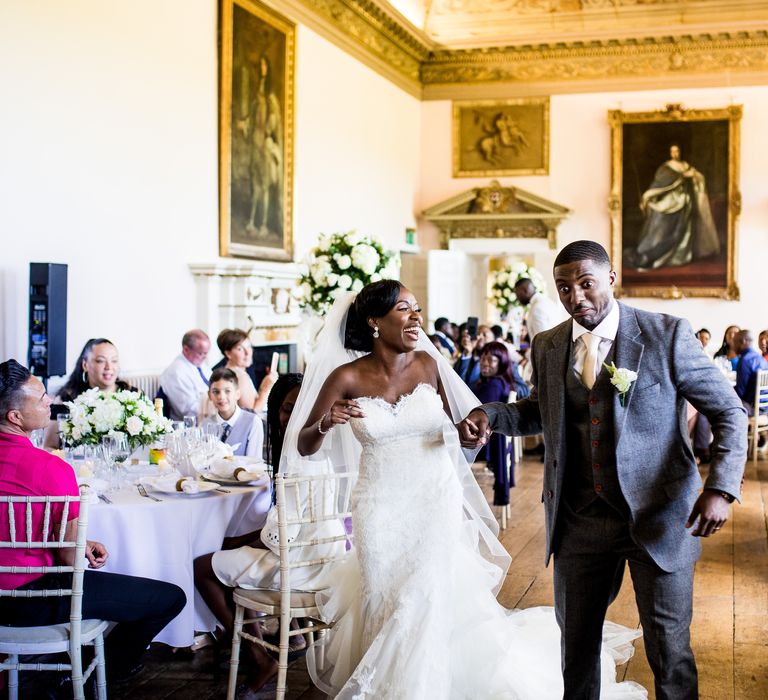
(730, 627)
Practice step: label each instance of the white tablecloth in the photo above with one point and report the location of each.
(161, 540)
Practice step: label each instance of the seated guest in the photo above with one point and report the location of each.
(141, 607)
(280, 405)
(440, 347)
(727, 348)
(704, 336)
(444, 331)
(252, 561)
(750, 362)
(98, 366)
(240, 429)
(238, 352)
(762, 343)
(185, 381)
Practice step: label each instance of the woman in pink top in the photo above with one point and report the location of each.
(141, 607)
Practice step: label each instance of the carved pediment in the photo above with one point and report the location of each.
(497, 212)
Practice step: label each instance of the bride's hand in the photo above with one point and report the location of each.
(340, 413)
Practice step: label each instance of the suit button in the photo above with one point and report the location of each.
(550, 493)
(595, 421)
(596, 466)
(598, 488)
(595, 443)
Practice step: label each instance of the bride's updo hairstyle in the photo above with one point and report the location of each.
(375, 299)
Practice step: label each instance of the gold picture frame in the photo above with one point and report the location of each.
(256, 116)
(675, 201)
(494, 138)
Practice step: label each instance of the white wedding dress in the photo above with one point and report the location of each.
(416, 617)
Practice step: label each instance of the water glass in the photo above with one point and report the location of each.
(212, 428)
(37, 437)
(190, 421)
(108, 451)
(122, 448)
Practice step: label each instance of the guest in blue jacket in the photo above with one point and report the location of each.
(498, 376)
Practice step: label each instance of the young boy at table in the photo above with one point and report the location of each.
(240, 429)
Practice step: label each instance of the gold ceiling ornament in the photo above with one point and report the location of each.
(495, 211)
(710, 49)
(600, 60)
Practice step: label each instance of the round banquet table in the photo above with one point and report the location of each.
(161, 540)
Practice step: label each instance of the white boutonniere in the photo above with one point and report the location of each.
(621, 378)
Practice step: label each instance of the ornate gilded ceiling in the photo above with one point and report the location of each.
(445, 49)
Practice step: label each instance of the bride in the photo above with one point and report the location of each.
(414, 602)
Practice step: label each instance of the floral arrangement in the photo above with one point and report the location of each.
(503, 284)
(343, 262)
(94, 414)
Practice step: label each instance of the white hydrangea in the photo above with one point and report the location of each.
(353, 238)
(106, 415)
(319, 270)
(366, 258)
(391, 269)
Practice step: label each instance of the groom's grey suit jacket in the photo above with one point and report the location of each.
(655, 466)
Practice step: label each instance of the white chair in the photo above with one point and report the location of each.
(50, 639)
(758, 422)
(310, 512)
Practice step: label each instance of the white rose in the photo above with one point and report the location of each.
(502, 278)
(345, 282)
(306, 290)
(508, 293)
(76, 434)
(332, 279)
(375, 277)
(357, 285)
(336, 293)
(134, 425)
(320, 270)
(622, 379)
(344, 262)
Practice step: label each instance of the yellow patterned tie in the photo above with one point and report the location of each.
(590, 371)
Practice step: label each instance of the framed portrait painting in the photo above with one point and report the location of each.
(257, 50)
(501, 137)
(675, 201)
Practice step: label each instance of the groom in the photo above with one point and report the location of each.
(620, 481)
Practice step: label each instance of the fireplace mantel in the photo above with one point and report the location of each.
(255, 296)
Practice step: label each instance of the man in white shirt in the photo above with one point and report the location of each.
(185, 381)
(543, 313)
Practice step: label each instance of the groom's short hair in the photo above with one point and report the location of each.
(582, 250)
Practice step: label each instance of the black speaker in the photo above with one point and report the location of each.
(47, 319)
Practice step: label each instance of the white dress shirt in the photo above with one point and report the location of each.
(184, 387)
(606, 330)
(543, 314)
(255, 437)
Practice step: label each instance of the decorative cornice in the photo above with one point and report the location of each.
(600, 60)
(373, 32)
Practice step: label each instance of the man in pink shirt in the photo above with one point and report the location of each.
(140, 606)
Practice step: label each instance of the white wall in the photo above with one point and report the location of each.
(580, 179)
(108, 136)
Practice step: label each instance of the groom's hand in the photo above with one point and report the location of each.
(474, 429)
(712, 511)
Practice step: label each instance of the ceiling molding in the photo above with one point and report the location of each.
(377, 35)
(723, 59)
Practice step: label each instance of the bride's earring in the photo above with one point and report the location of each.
(375, 331)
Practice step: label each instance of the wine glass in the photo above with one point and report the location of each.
(190, 420)
(108, 450)
(122, 448)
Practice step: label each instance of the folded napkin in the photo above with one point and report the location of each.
(95, 486)
(173, 482)
(241, 471)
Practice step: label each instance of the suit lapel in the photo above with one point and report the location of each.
(628, 353)
(558, 363)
